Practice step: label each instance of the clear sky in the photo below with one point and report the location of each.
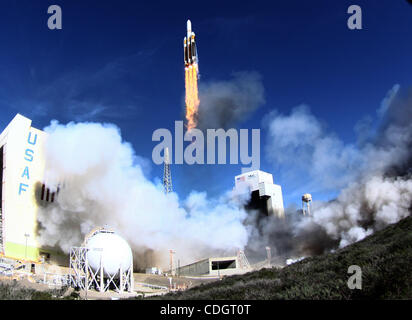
(122, 62)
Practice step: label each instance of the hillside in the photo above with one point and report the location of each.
(21, 290)
(385, 258)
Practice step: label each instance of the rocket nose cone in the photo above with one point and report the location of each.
(189, 25)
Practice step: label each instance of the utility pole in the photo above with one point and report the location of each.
(269, 256)
(171, 253)
(25, 251)
(86, 279)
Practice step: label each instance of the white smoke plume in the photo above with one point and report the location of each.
(375, 177)
(362, 208)
(102, 184)
(300, 141)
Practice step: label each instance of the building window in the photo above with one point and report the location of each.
(46, 194)
(42, 191)
(221, 265)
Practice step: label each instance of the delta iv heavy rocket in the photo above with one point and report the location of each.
(191, 77)
(190, 50)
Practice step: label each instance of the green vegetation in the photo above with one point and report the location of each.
(13, 291)
(385, 258)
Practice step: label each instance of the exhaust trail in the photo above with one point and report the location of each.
(192, 98)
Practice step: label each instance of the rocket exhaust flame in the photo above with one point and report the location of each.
(191, 77)
(192, 99)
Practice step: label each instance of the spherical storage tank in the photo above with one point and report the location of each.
(109, 250)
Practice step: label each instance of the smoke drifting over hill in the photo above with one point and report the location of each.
(375, 176)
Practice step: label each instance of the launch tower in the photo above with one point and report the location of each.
(167, 175)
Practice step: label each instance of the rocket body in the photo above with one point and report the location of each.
(189, 47)
(189, 28)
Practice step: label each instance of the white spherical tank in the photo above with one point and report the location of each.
(109, 250)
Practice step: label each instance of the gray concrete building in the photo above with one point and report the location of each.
(216, 266)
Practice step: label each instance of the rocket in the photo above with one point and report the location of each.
(191, 76)
(189, 45)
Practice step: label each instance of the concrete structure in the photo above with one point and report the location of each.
(23, 190)
(217, 266)
(265, 195)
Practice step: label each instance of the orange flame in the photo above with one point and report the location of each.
(192, 98)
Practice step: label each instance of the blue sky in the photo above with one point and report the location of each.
(122, 62)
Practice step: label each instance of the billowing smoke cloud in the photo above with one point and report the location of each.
(375, 175)
(363, 207)
(102, 184)
(223, 104)
(301, 144)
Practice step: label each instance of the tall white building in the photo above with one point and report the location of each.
(265, 195)
(23, 191)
